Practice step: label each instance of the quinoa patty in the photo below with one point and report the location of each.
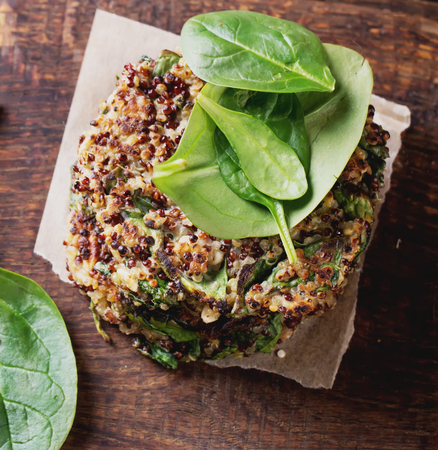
(183, 294)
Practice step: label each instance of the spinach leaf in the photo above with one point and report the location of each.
(77, 201)
(110, 179)
(227, 351)
(271, 165)
(354, 206)
(167, 328)
(255, 272)
(334, 247)
(102, 268)
(311, 249)
(282, 113)
(280, 284)
(266, 344)
(263, 343)
(179, 334)
(247, 276)
(155, 352)
(248, 50)
(158, 294)
(199, 190)
(379, 151)
(144, 204)
(137, 219)
(165, 62)
(213, 284)
(364, 240)
(238, 182)
(38, 377)
(334, 124)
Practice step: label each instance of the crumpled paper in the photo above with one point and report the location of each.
(314, 352)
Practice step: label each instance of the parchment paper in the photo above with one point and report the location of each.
(314, 352)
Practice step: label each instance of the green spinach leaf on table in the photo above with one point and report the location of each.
(249, 50)
(38, 377)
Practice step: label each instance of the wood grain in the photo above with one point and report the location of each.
(386, 394)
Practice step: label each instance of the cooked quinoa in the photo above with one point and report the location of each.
(181, 293)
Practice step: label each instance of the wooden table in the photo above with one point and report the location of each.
(386, 393)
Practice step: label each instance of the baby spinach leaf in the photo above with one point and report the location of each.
(263, 157)
(334, 124)
(165, 62)
(213, 284)
(199, 190)
(38, 377)
(238, 182)
(248, 50)
(282, 113)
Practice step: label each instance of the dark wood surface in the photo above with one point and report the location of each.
(386, 392)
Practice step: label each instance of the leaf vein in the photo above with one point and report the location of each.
(7, 400)
(260, 55)
(27, 323)
(7, 419)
